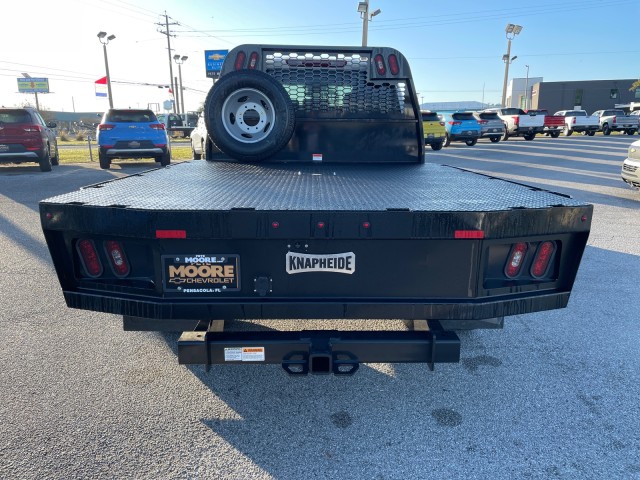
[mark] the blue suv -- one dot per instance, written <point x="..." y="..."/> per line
<point x="461" y="127"/>
<point x="132" y="134"/>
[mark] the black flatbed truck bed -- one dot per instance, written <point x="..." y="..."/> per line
<point x="427" y="243"/>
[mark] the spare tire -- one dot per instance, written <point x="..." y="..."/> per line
<point x="249" y="115"/>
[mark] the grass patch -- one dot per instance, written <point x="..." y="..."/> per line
<point x="81" y="155"/>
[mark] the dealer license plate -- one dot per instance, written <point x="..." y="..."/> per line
<point x="200" y="274"/>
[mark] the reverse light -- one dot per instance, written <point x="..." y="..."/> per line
<point x="393" y="64"/>
<point x="89" y="257"/>
<point x="106" y="126"/>
<point x="117" y="258"/>
<point x="240" y="58"/>
<point x="253" y="60"/>
<point x="516" y="259"/>
<point x="380" y="66"/>
<point x="542" y="259"/>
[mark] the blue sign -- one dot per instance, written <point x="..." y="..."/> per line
<point x="213" y="60"/>
<point x="33" y="85"/>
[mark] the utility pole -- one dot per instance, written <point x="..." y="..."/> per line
<point x="167" y="32"/>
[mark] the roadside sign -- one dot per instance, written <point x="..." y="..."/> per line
<point x="33" y="85"/>
<point x="213" y="62"/>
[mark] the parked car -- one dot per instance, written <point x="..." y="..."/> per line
<point x="461" y="127"/>
<point x="631" y="165"/>
<point x="189" y="119"/>
<point x="553" y="124"/>
<point x="615" y="120"/>
<point x="491" y="125"/>
<point x="132" y="134"/>
<point x="26" y="137"/>
<point x="578" y="121"/>
<point x="434" y="131"/>
<point x="518" y="123"/>
<point x="170" y="120"/>
<point x="199" y="138"/>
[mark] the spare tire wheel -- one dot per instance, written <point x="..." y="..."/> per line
<point x="249" y="115"/>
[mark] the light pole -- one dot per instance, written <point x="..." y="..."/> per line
<point x="104" y="40"/>
<point x="511" y="31"/>
<point x="526" y="90"/>
<point x="180" y="60"/>
<point x="363" y="9"/>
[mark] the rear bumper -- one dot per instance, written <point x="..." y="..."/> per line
<point x="18" y="156"/>
<point x="133" y="152"/>
<point x="585" y="128"/>
<point x="527" y="130"/>
<point x="464" y="135"/>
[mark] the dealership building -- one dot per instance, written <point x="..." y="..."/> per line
<point x="589" y="95"/>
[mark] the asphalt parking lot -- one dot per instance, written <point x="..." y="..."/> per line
<point x="552" y="395"/>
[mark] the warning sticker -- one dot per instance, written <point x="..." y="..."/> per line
<point x="244" y="354"/>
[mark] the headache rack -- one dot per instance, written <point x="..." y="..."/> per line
<point x="333" y="91"/>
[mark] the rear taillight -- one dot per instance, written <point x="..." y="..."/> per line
<point x="117" y="258"/>
<point x="574" y="120"/>
<point x="614" y="120"/>
<point x="89" y="257"/>
<point x="240" y="58"/>
<point x="157" y="126"/>
<point x="516" y="121"/>
<point x="542" y="259"/>
<point x="451" y="122"/>
<point x="442" y="124"/>
<point x="380" y="66"/>
<point x="253" y="60"/>
<point x="483" y="122"/>
<point x="106" y="126"/>
<point x="393" y="64"/>
<point x="33" y="128"/>
<point x="516" y="260"/>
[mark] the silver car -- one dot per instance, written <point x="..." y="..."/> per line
<point x="199" y="138"/>
<point x="631" y="165"/>
<point x="491" y="125"/>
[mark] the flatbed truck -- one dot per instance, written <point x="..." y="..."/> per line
<point x="314" y="202"/>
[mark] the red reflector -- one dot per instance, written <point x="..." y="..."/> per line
<point x="160" y="145"/>
<point x="157" y="126"/>
<point x="253" y="60"/>
<point x="468" y="234"/>
<point x="542" y="259"/>
<point x="89" y="257"/>
<point x="366" y="225"/>
<point x="171" y="234"/>
<point x="106" y="126"/>
<point x="320" y="224"/>
<point x="380" y="67"/>
<point x="393" y="64"/>
<point x="275" y="224"/>
<point x="240" y="58"/>
<point x="118" y="260"/>
<point x="515" y="260"/>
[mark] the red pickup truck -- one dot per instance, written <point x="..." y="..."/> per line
<point x="553" y="124"/>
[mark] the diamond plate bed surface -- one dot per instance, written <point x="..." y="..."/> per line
<point x="201" y="185"/>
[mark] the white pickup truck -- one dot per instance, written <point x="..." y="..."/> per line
<point x="615" y="120"/>
<point x="579" y="121"/>
<point x="519" y="123"/>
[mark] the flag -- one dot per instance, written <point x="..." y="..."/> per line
<point x="101" y="87"/>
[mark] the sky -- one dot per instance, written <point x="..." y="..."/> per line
<point x="454" y="49"/>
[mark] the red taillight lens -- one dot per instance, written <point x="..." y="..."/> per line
<point x="542" y="260"/>
<point x="455" y="123"/>
<point x="106" y="126"/>
<point x="240" y="58"/>
<point x="483" y="122"/>
<point x="117" y="258"/>
<point x="380" y="66"/>
<point x="442" y="124"/>
<point x="253" y="60"/>
<point x="574" y="120"/>
<point x="157" y="126"/>
<point x="33" y="128"/>
<point x="89" y="257"/>
<point x="393" y="64"/>
<point x="516" y="260"/>
<point x="516" y="120"/>
<point x="614" y="120"/>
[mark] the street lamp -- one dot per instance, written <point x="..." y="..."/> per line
<point x="511" y="31"/>
<point x="104" y="40"/>
<point x="363" y="10"/>
<point x="526" y="90"/>
<point x="180" y="60"/>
